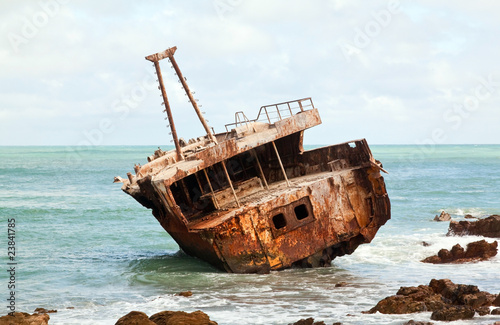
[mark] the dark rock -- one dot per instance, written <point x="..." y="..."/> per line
<point x="445" y="255"/>
<point x="433" y="260"/>
<point x="495" y="311"/>
<point x="481" y="249"/>
<point x="45" y="311"/>
<point x="185" y="294"/>
<point x="24" y="319"/>
<point x="474" y="300"/>
<point x="443" y="217"/>
<point x="308" y="321"/>
<point x="409" y="300"/>
<point x="496" y="302"/>
<point x="447" y="299"/>
<point x="453" y="313"/>
<point x="457" y="252"/>
<point x="341" y="284"/>
<point x="476" y="251"/>
<point x="412" y="322"/>
<point x="482" y="311"/>
<point x="179" y="317"/>
<point x="487" y="227"/>
<point x="135" y="318"/>
<point x="470" y="216"/>
<point x="425" y="244"/>
<point x="453" y="293"/>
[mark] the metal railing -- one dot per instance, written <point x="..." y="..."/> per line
<point x="274" y="112"/>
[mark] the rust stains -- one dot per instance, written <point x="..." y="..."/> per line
<point x="252" y="200"/>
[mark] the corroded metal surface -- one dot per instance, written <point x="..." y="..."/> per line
<point x="255" y="201"/>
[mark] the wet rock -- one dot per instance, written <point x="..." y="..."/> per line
<point x="481" y="249"/>
<point x="447" y="300"/>
<point x="409" y="300"/>
<point x="425" y="244"/>
<point x="470" y="216"/>
<point x="496" y="302"/>
<point x="135" y="318"/>
<point x="453" y="313"/>
<point x="495" y="311"/>
<point x="457" y="252"/>
<point x="443" y="217"/>
<point x="482" y="311"/>
<point x="179" y="317"/>
<point x="24" y="319"/>
<point x="476" y="251"/>
<point x="45" y="311"/>
<point x="487" y="227"/>
<point x="445" y="255"/>
<point x="412" y="322"/>
<point x="341" y="284"/>
<point x="185" y="294"/>
<point x="308" y="321"/>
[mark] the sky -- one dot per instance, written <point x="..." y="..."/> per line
<point x="74" y="73"/>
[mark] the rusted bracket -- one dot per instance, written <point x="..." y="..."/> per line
<point x="162" y="55"/>
<point x="374" y="164"/>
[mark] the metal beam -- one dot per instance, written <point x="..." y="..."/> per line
<point x="230" y="183"/>
<point x="169" y="112"/>
<point x="281" y="164"/>
<point x="211" y="189"/>
<point x="260" y="168"/>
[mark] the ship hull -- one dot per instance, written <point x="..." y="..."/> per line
<point x="335" y="201"/>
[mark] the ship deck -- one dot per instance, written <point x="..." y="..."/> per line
<point x="275" y="190"/>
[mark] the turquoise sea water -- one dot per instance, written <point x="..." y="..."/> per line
<point x="83" y="243"/>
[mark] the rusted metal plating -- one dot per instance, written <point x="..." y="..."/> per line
<point x="255" y="201"/>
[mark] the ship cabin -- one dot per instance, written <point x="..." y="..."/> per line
<point x="253" y="161"/>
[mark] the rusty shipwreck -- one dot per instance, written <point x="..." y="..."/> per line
<point x="251" y="199"/>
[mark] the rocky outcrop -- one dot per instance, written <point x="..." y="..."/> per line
<point x="135" y="318"/>
<point x="307" y="321"/>
<point x="453" y="313"/>
<point x="487" y="227"/>
<point x="476" y="251"/>
<point x="496" y="302"/>
<point x="443" y="217"/>
<point x="166" y="318"/>
<point x="24" y="319"/>
<point x="447" y="300"/>
<point x="180" y="317"/>
<point x="45" y="311"/>
<point x="412" y="322"/>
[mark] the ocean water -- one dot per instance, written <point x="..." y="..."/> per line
<point x="90" y="251"/>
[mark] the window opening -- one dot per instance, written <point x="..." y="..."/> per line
<point x="301" y="212"/>
<point x="279" y="221"/>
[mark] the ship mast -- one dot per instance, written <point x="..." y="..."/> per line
<point x="169" y="53"/>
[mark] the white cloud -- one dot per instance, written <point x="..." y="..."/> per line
<point x="404" y="73"/>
